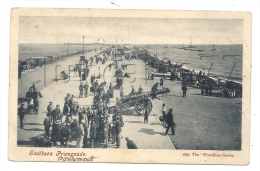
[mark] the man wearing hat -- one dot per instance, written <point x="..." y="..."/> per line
<point x="21" y="113"/>
<point x="47" y="124"/>
<point x="81" y="88"/>
<point x="49" y="108"/>
<point x="170" y="122"/>
<point x="56" y="113"/>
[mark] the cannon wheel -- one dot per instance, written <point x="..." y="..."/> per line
<point x="139" y="105"/>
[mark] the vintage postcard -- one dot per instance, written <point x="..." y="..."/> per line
<point x="130" y="86"/>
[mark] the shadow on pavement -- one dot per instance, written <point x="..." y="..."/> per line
<point x="150" y="131"/>
<point x="134" y="121"/>
<point x="155" y="123"/>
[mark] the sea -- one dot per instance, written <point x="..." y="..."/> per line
<point x="220" y="61"/>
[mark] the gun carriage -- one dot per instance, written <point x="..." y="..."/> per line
<point x="140" y="102"/>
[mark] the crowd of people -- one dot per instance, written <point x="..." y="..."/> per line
<point x="88" y="126"/>
<point x="92" y="126"/>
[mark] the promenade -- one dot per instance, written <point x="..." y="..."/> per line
<point x="145" y="136"/>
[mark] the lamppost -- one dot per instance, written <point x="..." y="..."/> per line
<point x="128" y="34"/>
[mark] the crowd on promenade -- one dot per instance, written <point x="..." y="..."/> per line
<point x="92" y="126"/>
<point x="88" y="126"/>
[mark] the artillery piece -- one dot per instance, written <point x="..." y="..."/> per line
<point x="138" y="101"/>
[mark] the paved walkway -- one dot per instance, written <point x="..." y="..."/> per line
<point x="145" y="136"/>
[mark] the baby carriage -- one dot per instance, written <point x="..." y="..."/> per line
<point x="64" y="75"/>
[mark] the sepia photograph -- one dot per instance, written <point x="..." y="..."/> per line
<point x="88" y="82"/>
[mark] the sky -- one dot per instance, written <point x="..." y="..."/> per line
<point x="140" y="30"/>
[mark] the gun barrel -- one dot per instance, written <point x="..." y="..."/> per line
<point x="149" y="93"/>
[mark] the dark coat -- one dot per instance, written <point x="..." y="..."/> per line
<point x="184" y="88"/>
<point x="170" y="119"/>
<point x="93" y="130"/>
<point x="56" y="114"/>
<point x="21" y="112"/>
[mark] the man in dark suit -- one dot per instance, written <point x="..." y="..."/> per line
<point x="21" y="113"/>
<point x="130" y="144"/>
<point x="170" y="122"/>
<point x="184" y="89"/>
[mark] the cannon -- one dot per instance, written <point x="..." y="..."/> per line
<point x="164" y="75"/>
<point x="138" y="101"/>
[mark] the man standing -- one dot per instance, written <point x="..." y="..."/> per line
<point x="184" y="89"/>
<point x="49" y="109"/>
<point x="86" y="86"/>
<point x="161" y="81"/>
<point x="170" y="122"/>
<point x="81" y="88"/>
<point x="21" y="113"/>
<point x="56" y="113"/>
<point x="47" y="124"/>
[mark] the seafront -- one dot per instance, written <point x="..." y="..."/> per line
<point x="203" y="122"/>
<point x="145" y="136"/>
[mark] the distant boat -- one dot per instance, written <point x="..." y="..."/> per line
<point x="190" y="46"/>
